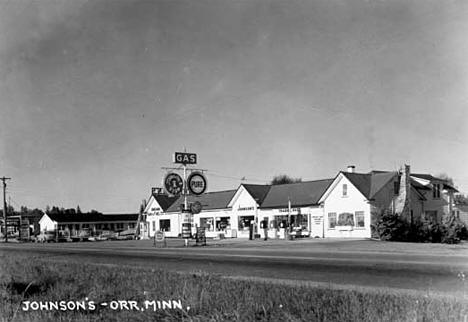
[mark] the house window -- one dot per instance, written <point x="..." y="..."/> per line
<point x="346" y="219"/>
<point x="345" y="190"/>
<point x="207" y="223"/>
<point x="154" y="225"/>
<point x="359" y="216"/>
<point x="244" y="222"/>
<point x="165" y="225"/>
<point x="331" y="220"/>
<point x="436" y="191"/>
<point x="430" y="216"/>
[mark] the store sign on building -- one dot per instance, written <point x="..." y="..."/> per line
<point x="173" y="184"/>
<point x="185" y="158"/>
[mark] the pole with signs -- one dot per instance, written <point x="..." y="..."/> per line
<point x="195" y="183"/>
<point x="185" y="158"/>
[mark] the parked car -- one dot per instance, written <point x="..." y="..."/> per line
<point x="126" y="234"/>
<point x="45" y="237"/>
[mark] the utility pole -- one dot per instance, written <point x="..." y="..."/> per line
<point x="4" y="179"/>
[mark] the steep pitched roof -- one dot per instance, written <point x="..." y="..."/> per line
<point x="92" y="217"/>
<point x="210" y="200"/>
<point x="370" y="183"/>
<point x="257" y="191"/>
<point x="164" y="201"/>
<point x="431" y="178"/>
<point x="300" y="194"/>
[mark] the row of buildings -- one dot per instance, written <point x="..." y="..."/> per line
<point x="344" y="206"/>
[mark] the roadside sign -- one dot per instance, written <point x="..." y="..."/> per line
<point x="185" y="158"/>
<point x="196" y="207"/>
<point x="196" y="183"/>
<point x="159" y="239"/>
<point x="159" y="236"/>
<point x="201" y="236"/>
<point x="173" y="184"/>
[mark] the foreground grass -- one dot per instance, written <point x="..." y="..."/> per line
<point x="204" y="297"/>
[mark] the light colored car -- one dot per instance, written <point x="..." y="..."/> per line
<point x="45" y="237"/>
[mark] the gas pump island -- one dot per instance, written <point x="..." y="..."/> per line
<point x="195" y="184"/>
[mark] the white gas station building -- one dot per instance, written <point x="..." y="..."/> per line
<point x="343" y="206"/>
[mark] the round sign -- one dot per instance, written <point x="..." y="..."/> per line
<point x="196" y="183"/>
<point x="159" y="236"/>
<point x="196" y="207"/>
<point x="173" y="184"/>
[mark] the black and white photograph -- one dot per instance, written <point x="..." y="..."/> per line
<point x="234" y="160"/>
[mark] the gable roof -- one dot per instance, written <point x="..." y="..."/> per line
<point x="257" y="191"/>
<point x="92" y="217"/>
<point x="210" y="200"/>
<point x="431" y="178"/>
<point x="299" y="193"/>
<point x="164" y="201"/>
<point x="370" y="183"/>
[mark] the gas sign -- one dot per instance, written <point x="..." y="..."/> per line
<point x="173" y="184"/>
<point x="196" y="183"/>
<point x="185" y="158"/>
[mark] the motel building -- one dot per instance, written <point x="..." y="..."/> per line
<point x="344" y="206"/>
<point x="93" y="223"/>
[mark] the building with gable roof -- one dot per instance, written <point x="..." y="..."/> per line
<point x="155" y="213"/>
<point x="355" y="201"/>
<point x="345" y="206"/>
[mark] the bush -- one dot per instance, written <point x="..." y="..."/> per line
<point x="393" y="228"/>
<point x="455" y="231"/>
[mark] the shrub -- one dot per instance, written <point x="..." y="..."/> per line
<point x="393" y="228"/>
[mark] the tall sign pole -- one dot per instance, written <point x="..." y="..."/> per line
<point x="4" y="179"/>
<point x="195" y="184"/>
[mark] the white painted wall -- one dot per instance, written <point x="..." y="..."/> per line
<point x="175" y="220"/>
<point x="244" y="205"/>
<point x="354" y="201"/>
<point x="47" y="224"/>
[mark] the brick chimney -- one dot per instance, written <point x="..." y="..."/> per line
<point x="402" y="202"/>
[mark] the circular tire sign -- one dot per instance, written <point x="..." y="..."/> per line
<point x="196" y="183"/>
<point x="173" y="184"/>
<point x="196" y="207"/>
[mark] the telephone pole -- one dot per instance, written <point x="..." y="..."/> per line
<point x="4" y="179"/>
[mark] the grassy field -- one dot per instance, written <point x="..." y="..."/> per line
<point x="195" y="297"/>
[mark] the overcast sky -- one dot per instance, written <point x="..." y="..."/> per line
<point x="95" y="96"/>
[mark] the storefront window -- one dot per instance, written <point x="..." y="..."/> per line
<point x="207" y="223"/>
<point x="165" y="225"/>
<point x="244" y="222"/>
<point x="346" y="219"/>
<point x="223" y="223"/>
<point x="299" y="221"/>
<point x="282" y="221"/>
